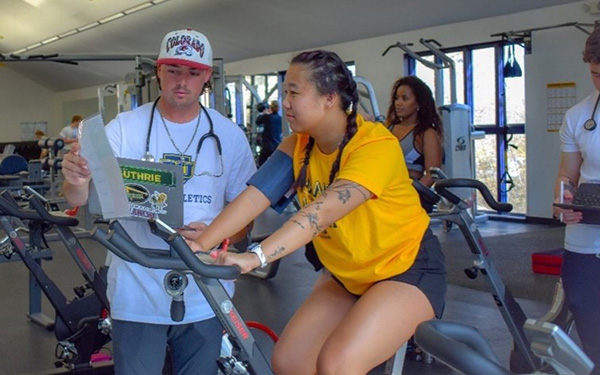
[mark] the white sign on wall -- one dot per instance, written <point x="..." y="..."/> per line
<point x="28" y="129"/>
<point x="560" y="97"/>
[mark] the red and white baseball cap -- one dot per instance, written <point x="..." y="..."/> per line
<point x="186" y="47"/>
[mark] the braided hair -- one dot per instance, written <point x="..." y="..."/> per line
<point x="330" y="75"/>
<point x="427" y="116"/>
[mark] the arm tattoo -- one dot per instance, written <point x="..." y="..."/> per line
<point x="313" y="221"/>
<point x="344" y="191"/>
<point x="297" y="223"/>
<point x="278" y="250"/>
<point x="344" y="195"/>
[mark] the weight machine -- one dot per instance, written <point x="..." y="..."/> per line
<point x="459" y="134"/>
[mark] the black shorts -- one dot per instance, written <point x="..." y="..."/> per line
<point x="428" y="272"/>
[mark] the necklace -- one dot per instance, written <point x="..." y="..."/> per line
<point x="171" y="138"/>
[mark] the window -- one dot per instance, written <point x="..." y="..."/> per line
<point x="497" y="104"/>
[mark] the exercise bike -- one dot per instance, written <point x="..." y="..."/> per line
<point x="464" y="349"/>
<point x="454" y="210"/>
<point x="241" y="355"/>
<point x="81" y="325"/>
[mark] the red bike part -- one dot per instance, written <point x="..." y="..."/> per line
<point x="72" y="211"/>
<point x="264" y="328"/>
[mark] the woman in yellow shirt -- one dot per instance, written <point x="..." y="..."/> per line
<point x="386" y="269"/>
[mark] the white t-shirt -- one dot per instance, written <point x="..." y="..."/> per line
<point x="136" y="293"/>
<point x="583" y="238"/>
<point x="68" y="132"/>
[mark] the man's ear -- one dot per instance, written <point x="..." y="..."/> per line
<point x="157" y="76"/>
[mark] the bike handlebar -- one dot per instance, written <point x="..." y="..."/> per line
<point x="39" y="206"/>
<point x="8" y="206"/>
<point x="442" y="186"/>
<point x="425" y="192"/>
<point x="119" y="242"/>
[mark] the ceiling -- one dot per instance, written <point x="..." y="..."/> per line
<point x="237" y="29"/>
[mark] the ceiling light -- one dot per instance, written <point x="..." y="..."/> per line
<point x="50" y="40"/>
<point x="68" y="33"/>
<point x="112" y="18"/>
<point x="35" y="3"/>
<point x="87" y="27"/>
<point x="138" y="8"/>
<point x="36" y="45"/>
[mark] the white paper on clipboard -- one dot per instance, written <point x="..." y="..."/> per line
<point x="106" y="174"/>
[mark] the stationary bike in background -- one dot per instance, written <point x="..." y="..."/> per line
<point x="525" y="356"/>
<point x="82" y="326"/>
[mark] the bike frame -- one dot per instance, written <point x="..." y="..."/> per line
<point x="511" y="311"/>
<point x="181" y="258"/>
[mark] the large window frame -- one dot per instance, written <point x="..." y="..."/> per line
<point x="501" y="130"/>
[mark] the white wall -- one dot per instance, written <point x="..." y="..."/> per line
<point x="556" y="57"/>
<point x="22" y="100"/>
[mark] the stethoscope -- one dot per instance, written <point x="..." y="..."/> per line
<point x="210" y="134"/>
<point x="591" y="123"/>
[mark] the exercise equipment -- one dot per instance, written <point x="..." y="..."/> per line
<point x="246" y="357"/>
<point x="81" y="325"/>
<point x="52" y="163"/>
<point x="455" y="210"/>
<point x="369" y="96"/>
<point x="459" y="134"/>
<point x="464" y="349"/>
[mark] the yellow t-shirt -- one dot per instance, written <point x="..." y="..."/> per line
<point x="380" y="238"/>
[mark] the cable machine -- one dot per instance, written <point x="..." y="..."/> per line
<point x="458" y="130"/>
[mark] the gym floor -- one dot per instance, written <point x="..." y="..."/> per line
<point x="27" y="348"/>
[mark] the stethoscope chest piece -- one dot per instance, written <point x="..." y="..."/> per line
<point x="589" y="124"/>
<point x="148" y="157"/>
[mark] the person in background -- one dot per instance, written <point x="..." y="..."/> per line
<point x="142" y="324"/>
<point x="263" y="112"/>
<point x="579" y="163"/>
<point x="39" y="135"/>
<point x="70" y="132"/>
<point x="414" y="119"/>
<point x="386" y="270"/>
<point x="272" y="133"/>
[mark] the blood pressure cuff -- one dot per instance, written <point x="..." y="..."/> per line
<point x="275" y="179"/>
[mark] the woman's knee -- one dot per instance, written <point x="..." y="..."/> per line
<point x="335" y="360"/>
<point x="285" y="361"/>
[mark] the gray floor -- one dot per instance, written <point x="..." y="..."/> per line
<point x="27" y="348"/>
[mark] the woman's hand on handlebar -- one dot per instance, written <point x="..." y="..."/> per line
<point x="192" y="231"/>
<point x="246" y="261"/>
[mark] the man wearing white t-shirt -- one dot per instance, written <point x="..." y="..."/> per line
<point x="169" y="131"/>
<point x="580" y="163"/>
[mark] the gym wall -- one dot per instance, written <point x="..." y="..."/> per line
<point x="556" y="57"/>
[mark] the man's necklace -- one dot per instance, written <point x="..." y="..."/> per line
<point x="171" y="138"/>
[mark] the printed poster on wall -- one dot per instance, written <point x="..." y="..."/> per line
<point x="28" y="129"/>
<point x="560" y="97"/>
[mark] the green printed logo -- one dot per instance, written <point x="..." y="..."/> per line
<point x="147" y="176"/>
